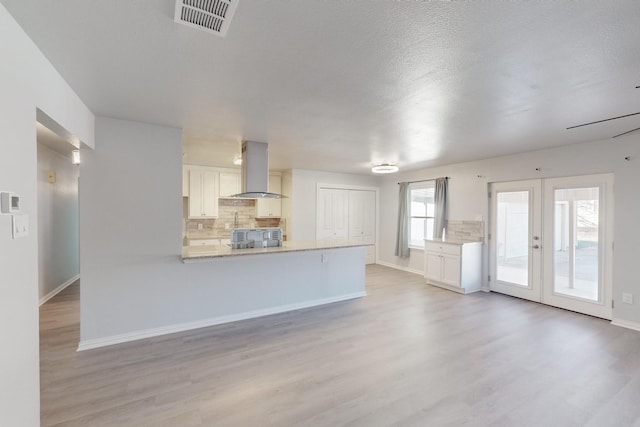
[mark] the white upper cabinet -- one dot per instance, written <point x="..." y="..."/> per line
<point x="229" y="184"/>
<point x="203" y="193"/>
<point x="271" y="208"/>
<point x="185" y="182"/>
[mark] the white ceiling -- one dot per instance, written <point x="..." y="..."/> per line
<point x="339" y="85"/>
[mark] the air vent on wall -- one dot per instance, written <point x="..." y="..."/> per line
<point x="212" y="16"/>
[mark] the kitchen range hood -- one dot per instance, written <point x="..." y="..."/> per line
<point x="255" y="171"/>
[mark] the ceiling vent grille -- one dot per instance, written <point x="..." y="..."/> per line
<point x="212" y="16"/>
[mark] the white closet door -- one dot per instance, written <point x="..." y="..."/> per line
<point x="332" y="219"/>
<point x="356" y="215"/>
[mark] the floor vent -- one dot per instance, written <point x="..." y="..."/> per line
<point x="213" y="16"/>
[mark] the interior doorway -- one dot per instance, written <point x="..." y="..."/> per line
<point x="551" y="242"/>
<point x="58" y="216"/>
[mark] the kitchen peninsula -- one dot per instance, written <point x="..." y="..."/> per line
<point x="237" y="284"/>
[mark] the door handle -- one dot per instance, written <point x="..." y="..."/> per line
<point x="536" y="246"/>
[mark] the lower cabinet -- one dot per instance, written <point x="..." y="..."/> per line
<point x="457" y="267"/>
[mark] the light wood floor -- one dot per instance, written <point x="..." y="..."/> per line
<point x="408" y="355"/>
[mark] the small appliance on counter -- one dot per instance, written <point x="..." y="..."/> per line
<point x="243" y="238"/>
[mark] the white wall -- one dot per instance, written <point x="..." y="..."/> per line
<point x="58" y="245"/>
<point x="468" y="198"/>
<point x="130" y="226"/>
<point x="303" y="200"/>
<point x="27" y="82"/>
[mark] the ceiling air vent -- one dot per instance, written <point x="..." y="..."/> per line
<point x="212" y="16"/>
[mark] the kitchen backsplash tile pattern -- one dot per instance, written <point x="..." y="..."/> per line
<point x="466" y="231"/>
<point x="268" y="222"/>
<point x="227" y="209"/>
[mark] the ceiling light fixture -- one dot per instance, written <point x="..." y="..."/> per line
<point x="384" y="168"/>
<point x="75" y="157"/>
<point x="237" y="160"/>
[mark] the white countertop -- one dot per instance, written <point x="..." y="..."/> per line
<point x="195" y="253"/>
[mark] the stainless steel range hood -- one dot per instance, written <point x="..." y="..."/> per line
<point x="255" y="171"/>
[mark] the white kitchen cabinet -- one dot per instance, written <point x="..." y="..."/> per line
<point x="203" y="193"/>
<point x="229" y="184"/>
<point x="185" y="181"/>
<point x="454" y="266"/>
<point x="271" y="208"/>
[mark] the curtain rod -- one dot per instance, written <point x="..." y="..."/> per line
<point x="424" y="180"/>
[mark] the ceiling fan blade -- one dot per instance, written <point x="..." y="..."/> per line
<point x="632" y="130"/>
<point x="605" y="120"/>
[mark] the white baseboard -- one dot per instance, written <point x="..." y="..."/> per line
<point x="59" y="289"/>
<point x="398" y="267"/>
<point x="626" y="324"/>
<point x="180" y="327"/>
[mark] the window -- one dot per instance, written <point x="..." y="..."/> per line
<point x="421" y="212"/>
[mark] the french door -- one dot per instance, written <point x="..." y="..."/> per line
<point x="551" y="242"/>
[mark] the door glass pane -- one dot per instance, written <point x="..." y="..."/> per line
<point x="512" y="237"/>
<point x="575" y="243"/>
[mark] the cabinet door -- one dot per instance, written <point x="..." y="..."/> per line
<point x="210" y="194"/>
<point x="185" y="182"/>
<point x="432" y="266"/>
<point x="229" y="184"/>
<point x="203" y="194"/>
<point x="451" y="270"/>
<point x="196" y="209"/>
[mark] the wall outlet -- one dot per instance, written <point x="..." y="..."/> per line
<point x="20" y="225"/>
<point x="200" y="226"/>
<point x="627" y="298"/>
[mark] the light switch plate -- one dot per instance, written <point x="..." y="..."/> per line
<point x="627" y="298"/>
<point x="20" y="225"/>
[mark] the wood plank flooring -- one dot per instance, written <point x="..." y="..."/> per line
<point x="408" y="355"/>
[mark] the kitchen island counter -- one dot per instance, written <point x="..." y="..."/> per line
<point x="204" y="253"/>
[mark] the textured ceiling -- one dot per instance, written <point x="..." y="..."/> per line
<point x="339" y="85"/>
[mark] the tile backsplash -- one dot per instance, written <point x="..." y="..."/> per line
<point x="466" y="231"/>
<point x="227" y="208"/>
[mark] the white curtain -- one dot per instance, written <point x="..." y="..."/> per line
<point x="402" y="239"/>
<point x="440" y="198"/>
